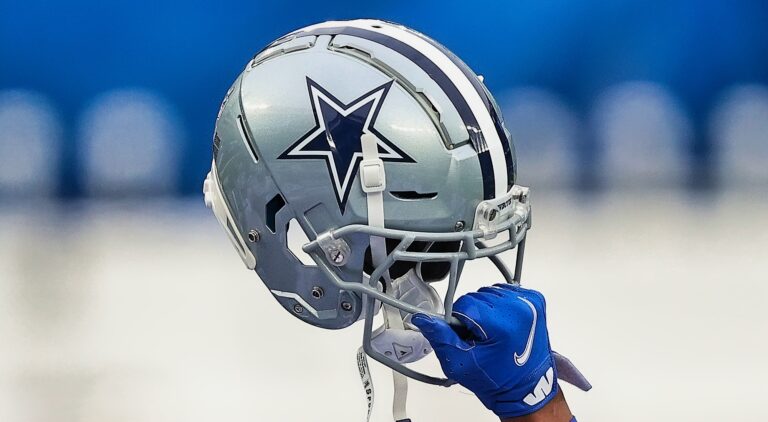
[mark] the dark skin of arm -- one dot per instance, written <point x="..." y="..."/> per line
<point x="555" y="411"/>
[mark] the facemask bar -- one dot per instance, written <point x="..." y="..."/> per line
<point x="472" y="247"/>
<point x="511" y="213"/>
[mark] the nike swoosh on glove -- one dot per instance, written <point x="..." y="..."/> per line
<point x="506" y="359"/>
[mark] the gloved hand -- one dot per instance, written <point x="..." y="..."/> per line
<point x="506" y="360"/>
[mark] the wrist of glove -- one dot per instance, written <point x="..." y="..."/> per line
<point x="506" y="358"/>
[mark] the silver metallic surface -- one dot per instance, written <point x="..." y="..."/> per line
<point x="269" y="108"/>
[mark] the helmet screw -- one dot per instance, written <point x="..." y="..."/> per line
<point x="298" y="308"/>
<point x="336" y="251"/>
<point x="254" y="236"/>
<point x="459" y="226"/>
<point x="317" y="292"/>
<point x="346" y="306"/>
<point x="337" y="256"/>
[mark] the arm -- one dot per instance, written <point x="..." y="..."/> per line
<point x="555" y="411"/>
<point x="505" y="356"/>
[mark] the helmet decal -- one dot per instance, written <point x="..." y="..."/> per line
<point x="336" y="135"/>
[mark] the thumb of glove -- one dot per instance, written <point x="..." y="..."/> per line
<point x="436" y="331"/>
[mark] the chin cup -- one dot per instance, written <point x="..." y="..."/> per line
<point x="407" y="345"/>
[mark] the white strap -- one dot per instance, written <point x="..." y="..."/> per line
<point x="393" y="320"/>
<point x="374" y="182"/>
<point x="365" y="377"/>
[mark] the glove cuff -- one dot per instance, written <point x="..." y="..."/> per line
<point x="531" y="397"/>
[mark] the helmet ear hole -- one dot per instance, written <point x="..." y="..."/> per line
<point x="295" y="238"/>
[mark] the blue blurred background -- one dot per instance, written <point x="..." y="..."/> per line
<point x="641" y="127"/>
<point x="119" y="98"/>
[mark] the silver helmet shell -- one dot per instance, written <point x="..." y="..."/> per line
<point x="287" y="146"/>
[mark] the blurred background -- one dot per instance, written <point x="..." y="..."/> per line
<point x="642" y="128"/>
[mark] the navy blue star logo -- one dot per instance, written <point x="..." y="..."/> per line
<point x="336" y="136"/>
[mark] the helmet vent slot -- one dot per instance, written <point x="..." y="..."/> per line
<point x="410" y="195"/>
<point x="296" y="238"/>
<point x="273" y="207"/>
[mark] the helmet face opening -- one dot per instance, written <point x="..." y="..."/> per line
<point x="407" y="250"/>
<point x="428" y="271"/>
<point x="513" y="218"/>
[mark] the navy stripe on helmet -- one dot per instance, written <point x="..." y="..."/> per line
<point x="443" y="81"/>
<point x="485" y="163"/>
<point x="483" y="93"/>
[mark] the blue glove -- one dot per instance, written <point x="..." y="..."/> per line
<point x="506" y="359"/>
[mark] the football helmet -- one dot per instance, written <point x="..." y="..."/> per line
<point x="391" y="156"/>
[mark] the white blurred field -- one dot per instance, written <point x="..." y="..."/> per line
<point x="129" y="312"/>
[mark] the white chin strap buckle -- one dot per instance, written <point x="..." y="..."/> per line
<point x="407" y="345"/>
<point x="372" y="176"/>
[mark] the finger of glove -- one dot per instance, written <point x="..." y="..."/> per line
<point x="533" y="295"/>
<point x="494" y="291"/>
<point x="490" y="299"/>
<point x="509" y="286"/>
<point x="472" y="309"/>
<point x="437" y="332"/>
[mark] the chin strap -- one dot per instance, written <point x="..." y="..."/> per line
<point x="374" y="182"/>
